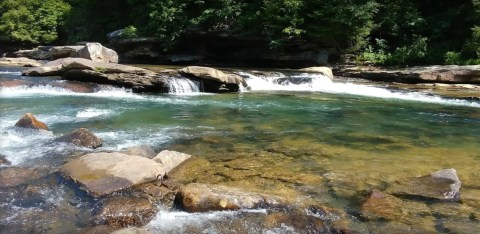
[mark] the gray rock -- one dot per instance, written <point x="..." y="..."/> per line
<point x="22" y="61"/>
<point x="4" y="160"/>
<point x="14" y="176"/>
<point x="97" y="53"/>
<point x="81" y="137"/>
<point x="197" y="197"/>
<point x="141" y="150"/>
<point x="49" y="52"/>
<point x="323" y="70"/>
<point x="214" y="80"/>
<point x="104" y="173"/>
<point x="441" y="185"/>
<point x="171" y="159"/>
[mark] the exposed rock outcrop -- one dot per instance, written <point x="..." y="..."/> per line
<point x="326" y="71"/>
<point x="197" y="197"/>
<point x="21" y="61"/>
<point x="141" y="150"/>
<point x="97" y="53"/>
<point x="171" y="159"/>
<point x="214" y="80"/>
<point x="28" y="120"/>
<point x="430" y="74"/>
<point x="49" y="52"/>
<point x="125" y="212"/>
<point x="441" y="185"/>
<point x="81" y="137"/>
<point x="104" y="173"/>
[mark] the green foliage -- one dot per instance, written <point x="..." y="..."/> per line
<point x="32" y="21"/>
<point x="453" y="58"/>
<point x="129" y="32"/>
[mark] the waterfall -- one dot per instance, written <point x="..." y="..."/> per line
<point x="183" y="86"/>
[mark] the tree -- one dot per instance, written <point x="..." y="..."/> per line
<point x="32" y="21"/>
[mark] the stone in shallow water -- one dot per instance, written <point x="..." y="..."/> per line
<point x="442" y="185"/>
<point x="28" y="120"/>
<point x="197" y="197"/>
<point x="126" y="211"/>
<point x="171" y="159"/>
<point x="141" y="150"/>
<point x="382" y="206"/>
<point x="14" y="176"/>
<point x="104" y="173"/>
<point x="81" y="137"/>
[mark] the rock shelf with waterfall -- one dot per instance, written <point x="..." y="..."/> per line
<point x="271" y="151"/>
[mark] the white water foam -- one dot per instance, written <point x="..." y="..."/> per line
<point x="183" y="86"/>
<point x="321" y="83"/>
<point x="92" y="112"/>
<point x="11" y="72"/>
<point x="48" y="90"/>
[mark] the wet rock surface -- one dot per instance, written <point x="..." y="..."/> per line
<point x="382" y="206"/>
<point x="197" y="197"/>
<point x="28" y="120"/>
<point x="14" y="176"/>
<point x="441" y="185"/>
<point x="125" y="212"/>
<point x="81" y="137"/>
<point x="157" y="193"/>
<point x="326" y="71"/>
<point x="141" y="150"/>
<point x="221" y="80"/>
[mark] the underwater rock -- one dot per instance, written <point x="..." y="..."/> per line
<point x="441" y="185"/>
<point x="326" y="71"/>
<point x="81" y="137"/>
<point x="4" y="160"/>
<point x="14" y="176"/>
<point x="126" y="211"/>
<point x="104" y="173"/>
<point x="171" y="159"/>
<point x="22" y="61"/>
<point x="156" y="192"/>
<point x="28" y="120"/>
<point x="198" y="197"/>
<point x="382" y="206"/>
<point x="141" y="150"/>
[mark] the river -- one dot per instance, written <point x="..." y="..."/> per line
<point x="319" y="140"/>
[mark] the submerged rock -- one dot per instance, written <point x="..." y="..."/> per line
<point x="197" y="197"/>
<point x="382" y="206"/>
<point x="141" y="150"/>
<point x="98" y="53"/>
<point x="171" y="159"/>
<point x="28" y="120"/>
<point x="156" y="192"/>
<point x="441" y="185"/>
<point x="81" y="137"/>
<point x="326" y="71"/>
<point x="126" y="211"/>
<point x="14" y="176"/>
<point x="214" y="80"/>
<point x="22" y="61"/>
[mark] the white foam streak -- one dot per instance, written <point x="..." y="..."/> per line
<point x="48" y="90"/>
<point x="10" y="72"/>
<point x="320" y="83"/>
<point x="91" y="113"/>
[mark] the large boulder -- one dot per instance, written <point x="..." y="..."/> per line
<point x="198" y="197"/>
<point x="60" y="66"/>
<point x="126" y="211"/>
<point x="326" y="71"/>
<point x="171" y="159"/>
<point x="104" y="173"/>
<point x="49" y="52"/>
<point x="81" y="137"/>
<point x="141" y="150"/>
<point x="441" y="185"/>
<point x="22" y="61"/>
<point x="28" y="120"/>
<point x="430" y="74"/>
<point x="213" y="79"/>
<point x="97" y="53"/>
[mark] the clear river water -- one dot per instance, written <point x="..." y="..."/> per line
<point x="321" y="141"/>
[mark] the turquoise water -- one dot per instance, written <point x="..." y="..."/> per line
<point x="325" y="144"/>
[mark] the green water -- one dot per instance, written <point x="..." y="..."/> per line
<point x="309" y="147"/>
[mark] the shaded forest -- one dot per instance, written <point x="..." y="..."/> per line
<point x="386" y="32"/>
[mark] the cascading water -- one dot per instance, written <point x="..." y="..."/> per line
<point x="183" y="86"/>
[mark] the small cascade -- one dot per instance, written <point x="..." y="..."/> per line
<point x="183" y="86"/>
<point x="279" y="81"/>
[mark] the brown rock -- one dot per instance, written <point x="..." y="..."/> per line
<point x="214" y="80"/>
<point x="156" y="192"/>
<point x="381" y="206"/>
<point x="101" y="229"/>
<point x="14" y="176"/>
<point x="197" y="197"/>
<point x="81" y="137"/>
<point x="29" y="121"/>
<point x="22" y="61"/>
<point x="126" y="211"/>
<point x="141" y="150"/>
<point x="323" y="70"/>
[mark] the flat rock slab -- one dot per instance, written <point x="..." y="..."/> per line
<point x="25" y="62"/>
<point x="171" y="159"/>
<point x="442" y="185"/>
<point x="104" y="173"/>
<point x="198" y="197"/>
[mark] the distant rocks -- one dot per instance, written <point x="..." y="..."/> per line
<point x="21" y="61"/>
<point x="197" y="197"/>
<point x="97" y="53"/>
<point x="214" y="80"/>
<point x="28" y="120"/>
<point x="441" y="185"/>
<point x="326" y="71"/>
<point x="81" y="137"/>
<point x="429" y="74"/>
